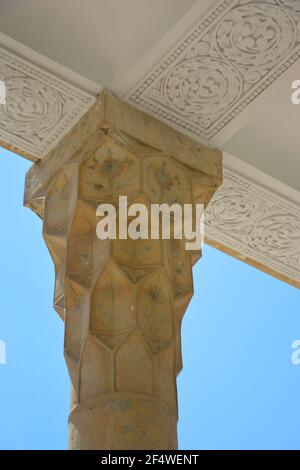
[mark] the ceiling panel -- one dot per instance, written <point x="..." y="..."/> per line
<point x="100" y="39"/>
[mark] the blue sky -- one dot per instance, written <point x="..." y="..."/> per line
<point x="238" y="388"/>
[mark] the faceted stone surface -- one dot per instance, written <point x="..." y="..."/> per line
<point x="122" y="301"/>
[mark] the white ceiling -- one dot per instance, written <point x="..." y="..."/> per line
<point x="100" y="39"/>
<point x="270" y="140"/>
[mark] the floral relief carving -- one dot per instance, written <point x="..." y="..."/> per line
<point x="257" y="224"/>
<point x="40" y="108"/>
<point x="226" y="61"/>
<point x="256" y="35"/>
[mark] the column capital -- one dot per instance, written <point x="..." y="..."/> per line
<point x="110" y="116"/>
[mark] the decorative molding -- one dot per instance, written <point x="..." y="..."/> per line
<point x="40" y="108"/>
<point x="252" y="215"/>
<point x="251" y="173"/>
<point x="228" y="59"/>
<point x="257" y="224"/>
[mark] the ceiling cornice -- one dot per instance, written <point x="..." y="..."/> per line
<point x="257" y="225"/>
<point x="237" y="50"/>
<point x="253" y="216"/>
<point x="41" y="107"/>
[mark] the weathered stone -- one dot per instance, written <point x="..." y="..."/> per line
<point x="122" y="300"/>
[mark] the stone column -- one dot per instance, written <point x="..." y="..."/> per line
<point x="122" y="300"/>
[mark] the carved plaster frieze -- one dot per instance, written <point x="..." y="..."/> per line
<point x="227" y="60"/>
<point x="257" y="224"/>
<point x="40" y="108"/>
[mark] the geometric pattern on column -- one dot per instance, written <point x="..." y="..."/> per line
<point x="122" y="300"/>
